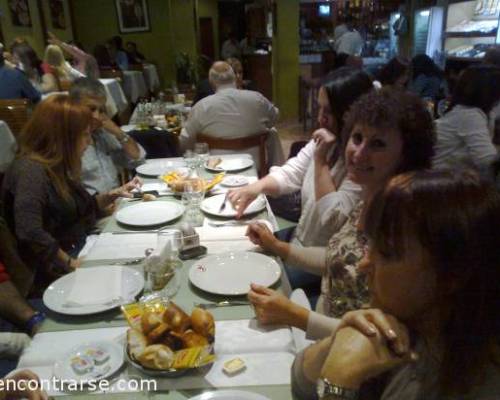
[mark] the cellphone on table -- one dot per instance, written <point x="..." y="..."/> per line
<point x="192" y="252"/>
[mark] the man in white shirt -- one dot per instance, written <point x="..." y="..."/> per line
<point x="232" y="113"/>
<point x="347" y="39"/>
<point x="111" y="148"/>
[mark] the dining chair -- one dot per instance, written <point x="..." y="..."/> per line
<point x="136" y="67"/>
<point x="15" y="113"/>
<point x="242" y="143"/>
<point x="112" y="73"/>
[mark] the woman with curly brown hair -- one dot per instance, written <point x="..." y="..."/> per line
<point x="388" y="132"/>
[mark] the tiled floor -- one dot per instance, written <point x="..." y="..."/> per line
<point x="291" y="131"/>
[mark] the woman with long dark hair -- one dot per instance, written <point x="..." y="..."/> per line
<point x="426" y="78"/>
<point x="433" y="269"/>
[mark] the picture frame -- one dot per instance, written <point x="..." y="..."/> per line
<point x="57" y="15"/>
<point x="20" y="13"/>
<point x="133" y="16"/>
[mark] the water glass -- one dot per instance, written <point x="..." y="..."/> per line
<point x="190" y="159"/>
<point x="163" y="267"/>
<point x="194" y="192"/>
<point x="202" y="153"/>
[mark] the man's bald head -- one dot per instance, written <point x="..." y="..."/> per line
<point x="221" y="73"/>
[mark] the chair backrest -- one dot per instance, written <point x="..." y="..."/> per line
<point x="111" y="73"/>
<point x="15" y="113"/>
<point x="136" y="67"/>
<point x="65" y="85"/>
<point x="240" y="144"/>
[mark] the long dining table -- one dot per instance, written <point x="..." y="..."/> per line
<point x="267" y="351"/>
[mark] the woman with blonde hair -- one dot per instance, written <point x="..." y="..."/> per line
<point x="43" y="201"/>
<point x="56" y="70"/>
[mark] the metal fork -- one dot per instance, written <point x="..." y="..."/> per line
<point x="224" y="303"/>
<point x="229" y="223"/>
<point x="223" y="205"/>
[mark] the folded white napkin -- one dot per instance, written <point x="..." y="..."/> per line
<point x="111" y="246"/>
<point x="95" y="285"/>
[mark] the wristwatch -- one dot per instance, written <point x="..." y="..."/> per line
<point x="124" y="138"/>
<point x="324" y="388"/>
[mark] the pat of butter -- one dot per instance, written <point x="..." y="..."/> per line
<point x="234" y="366"/>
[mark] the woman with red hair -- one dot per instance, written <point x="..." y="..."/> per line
<point x="43" y="201"/>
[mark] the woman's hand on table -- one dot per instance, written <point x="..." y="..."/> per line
<point x="241" y="198"/>
<point x="273" y="308"/>
<point x="261" y="235"/>
<point x="20" y="389"/>
<point x="368" y="355"/>
<point x="324" y="140"/>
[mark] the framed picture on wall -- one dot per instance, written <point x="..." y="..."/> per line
<point x="133" y="15"/>
<point x="20" y="13"/>
<point x="57" y="14"/>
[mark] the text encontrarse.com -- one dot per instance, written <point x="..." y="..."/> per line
<point x="69" y="385"/>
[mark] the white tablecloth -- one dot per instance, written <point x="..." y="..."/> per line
<point x="115" y="98"/>
<point x="268" y="353"/>
<point x="8" y="146"/>
<point x="134" y="85"/>
<point x="151" y="77"/>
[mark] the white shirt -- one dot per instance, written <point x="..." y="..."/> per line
<point x="318" y="219"/>
<point x="233" y="113"/>
<point x="463" y="136"/>
<point x="350" y="43"/>
<point x="102" y="160"/>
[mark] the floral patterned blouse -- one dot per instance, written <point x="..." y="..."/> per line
<point x="342" y="287"/>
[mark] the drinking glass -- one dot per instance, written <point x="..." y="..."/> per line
<point x="194" y="192"/>
<point x="163" y="266"/>
<point x="190" y="159"/>
<point x="202" y="153"/>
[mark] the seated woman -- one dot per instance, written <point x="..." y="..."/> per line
<point x="317" y="171"/>
<point x="395" y="73"/>
<point x="427" y="80"/>
<point x="43" y="201"/>
<point x="432" y="267"/>
<point x="463" y="134"/>
<point x="56" y="70"/>
<point x="388" y="131"/>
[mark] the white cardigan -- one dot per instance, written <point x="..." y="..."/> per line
<point x="319" y="219"/>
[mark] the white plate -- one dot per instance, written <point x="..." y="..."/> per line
<point x="64" y="371"/>
<point x="55" y="296"/>
<point x="148" y="214"/>
<point x="230" y="274"/>
<point x="229" y="395"/>
<point x="128" y="128"/>
<point x="158" y="167"/>
<point x="211" y="205"/>
<point x="232" y="164"/>
<point x="234" y="181"/>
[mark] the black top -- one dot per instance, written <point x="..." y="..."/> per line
<point x="41" y="219"/>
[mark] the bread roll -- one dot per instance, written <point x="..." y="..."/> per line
<point x="203" y="323"/>
<point x="176" y="319"/>
<point x="156" y="335"/>
<point x="137" y="343"/>
<point x="193" y="339"/>
<point x="150" y="320"/>
<point x="157" y="356"/>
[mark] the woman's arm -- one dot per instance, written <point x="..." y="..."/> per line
<point x="49" y="83"/>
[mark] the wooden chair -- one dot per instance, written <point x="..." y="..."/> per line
<point x="242" y="143"/>
<point x="15" y="113"/>
<point x="65" y="85"/>
<point x="111" y="73"/>
<point x="136" y="67"/>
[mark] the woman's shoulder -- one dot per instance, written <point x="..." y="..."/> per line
<point x="27" y="166"/>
